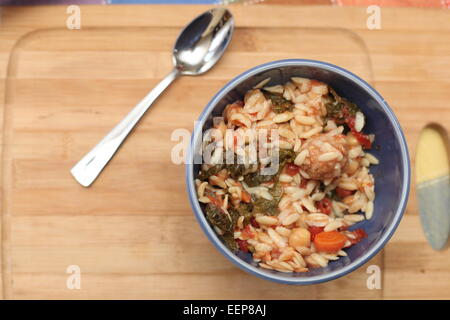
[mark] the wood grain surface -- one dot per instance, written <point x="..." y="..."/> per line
<point x="133" y="233"/>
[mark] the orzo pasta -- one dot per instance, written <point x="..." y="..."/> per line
<point x="298" y="215"/>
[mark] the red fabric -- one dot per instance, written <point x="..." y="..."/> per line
<point x="395" y="3"/>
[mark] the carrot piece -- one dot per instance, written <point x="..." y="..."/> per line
<point x="216" y="200"/>
<point x="329" y="242"/>
<point x="245" y="196"/>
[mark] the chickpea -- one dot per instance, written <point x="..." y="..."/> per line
<point x="300" y="237"/>
<point x="351" y="140"/>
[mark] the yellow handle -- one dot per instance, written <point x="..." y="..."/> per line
<point x="432" y="156"/>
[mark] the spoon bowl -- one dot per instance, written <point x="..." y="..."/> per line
<point x="203" y="41"/>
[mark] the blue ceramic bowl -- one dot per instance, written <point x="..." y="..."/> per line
<point x="392" y="175"/>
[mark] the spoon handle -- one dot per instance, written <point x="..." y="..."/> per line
<point x="90" y="166"/>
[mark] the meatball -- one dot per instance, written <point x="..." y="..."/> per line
<point x="323" y="156"/>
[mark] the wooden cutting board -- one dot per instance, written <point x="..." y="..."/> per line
<point x="133" y="234"/>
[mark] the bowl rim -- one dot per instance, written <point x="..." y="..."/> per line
<point x="210" y="233"/>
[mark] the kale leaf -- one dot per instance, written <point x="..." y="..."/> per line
<point x="218" y="218"/>
<point x="279" y="104"/>
<point x="338" y="108"/>
<point x="204" y="175"/>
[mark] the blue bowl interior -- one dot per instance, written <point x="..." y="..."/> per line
<point x="391" y="175"/>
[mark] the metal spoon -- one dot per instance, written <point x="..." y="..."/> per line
<point x="198" y="47"/>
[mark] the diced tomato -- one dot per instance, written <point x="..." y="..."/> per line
<point x="247" y="233"/>
<point x="350" y="121"/>
<point x="275" y="253"/>
<point x="254" y="223"/>
<point x="342" y="193"/>
<point x="361" y="137"/>
<point x="303" y="183"/>
<point x="359" y="234"/>
<point x="292" y="169"/>
<point x="314" y="231"/>
<point x="243" y="246"/>
<point x="324" y="205"/>
<point x="245" y="196"/>
<point x="344" y="117"/>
